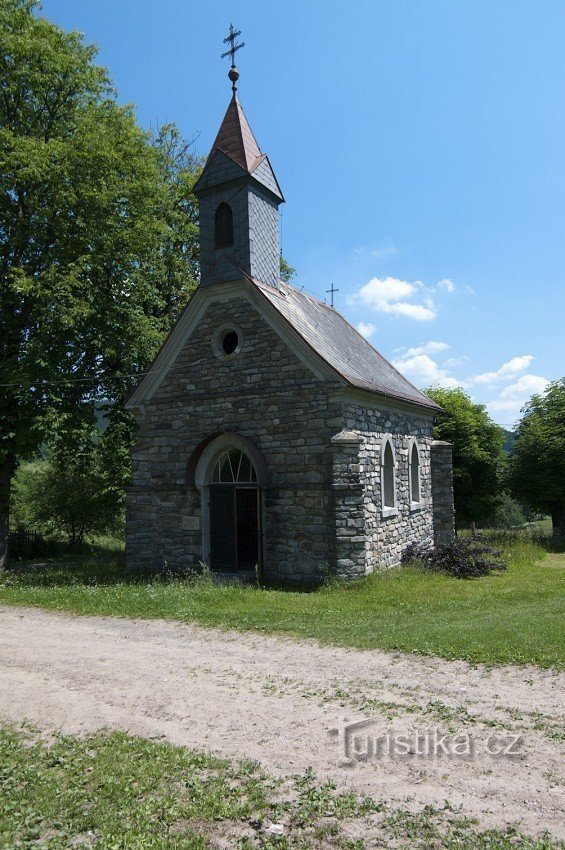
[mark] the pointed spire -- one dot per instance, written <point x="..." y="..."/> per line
<point x="235" y="137"/>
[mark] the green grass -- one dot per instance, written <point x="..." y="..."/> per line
<point x="115" y="792"/>
<point x="510" y="617"/>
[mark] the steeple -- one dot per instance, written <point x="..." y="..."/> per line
<point x="235" y="137"/>
<point x="239" y="199"/>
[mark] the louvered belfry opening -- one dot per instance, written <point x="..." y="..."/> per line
<point x="235" y="517"/>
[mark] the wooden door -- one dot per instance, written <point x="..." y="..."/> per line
<point x="247" y="533"/>
<point x="223" y="554"/>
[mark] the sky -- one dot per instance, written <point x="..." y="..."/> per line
<point x="420" y="148"/>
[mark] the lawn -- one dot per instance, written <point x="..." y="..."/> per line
<point x="510" y="617"/>
<point x="117" y="792"/>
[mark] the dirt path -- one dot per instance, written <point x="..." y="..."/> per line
<point x="274" y="700"/>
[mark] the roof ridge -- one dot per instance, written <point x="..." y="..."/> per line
<point x="371" y="385"/>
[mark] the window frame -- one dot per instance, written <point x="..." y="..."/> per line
<point x="388" y="510"/>
<point x="415" y="505"/>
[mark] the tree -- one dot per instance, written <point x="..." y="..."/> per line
<point x="287" y="271"/>
<point x="537" y="460"/>
<point x="98" y="239"/>
<point x="68" y="491"/>
<point x="478" y="454"/>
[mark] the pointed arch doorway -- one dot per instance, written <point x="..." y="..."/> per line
<point x="234" y="513"/>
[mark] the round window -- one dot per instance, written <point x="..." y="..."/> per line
<point x="227" y="341"/>
<point x="230" y="341"/>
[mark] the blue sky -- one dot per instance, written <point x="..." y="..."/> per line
<point x="421" y="150"/>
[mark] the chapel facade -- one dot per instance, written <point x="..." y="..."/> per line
<point x="272" y="436"/>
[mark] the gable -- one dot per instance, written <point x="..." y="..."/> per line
<point x="220" y="168"/>
<point x="264" y="174"/>
<point x="173" y="354"/>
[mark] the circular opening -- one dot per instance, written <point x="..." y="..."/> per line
<point x="230" y="342"/>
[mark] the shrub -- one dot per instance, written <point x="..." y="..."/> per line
<point x="462" y="558"/>
<point x="509" y="513"/>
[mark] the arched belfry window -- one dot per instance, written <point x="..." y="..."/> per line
<point x="414" y="474"/>
<point x="223" y="226"/>
<point x="388" y="476"/>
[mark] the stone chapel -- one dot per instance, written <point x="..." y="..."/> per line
<point x="272" y="436"/>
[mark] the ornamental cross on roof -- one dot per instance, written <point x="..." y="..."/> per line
<point x="233" y="73"/>
<point x="333" y="290"/>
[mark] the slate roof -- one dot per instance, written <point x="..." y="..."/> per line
<point x="235" y="138"/>
<point x="341" y="346"/>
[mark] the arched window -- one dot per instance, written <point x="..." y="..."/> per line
<point x="414" y="473"/>
<point x="234" y="467"/>
<point x="388" y="471"/>
<point x="223" y="226"/>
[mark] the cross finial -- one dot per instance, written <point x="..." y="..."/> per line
<point x="332" y="289"/>
<point x="233" y="73"/>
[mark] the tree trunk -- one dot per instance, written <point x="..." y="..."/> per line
<point x="7" y="467"/>
<point x="558" y="518"/>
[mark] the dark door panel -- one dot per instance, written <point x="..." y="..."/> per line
<point x="222" y="529"/>
<point x="247" y="513"/>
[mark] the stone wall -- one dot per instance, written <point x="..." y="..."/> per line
<point x="387" y="532"/>
<point x="265" y="393"/>
<point x="442" y="492"/>
<point x="349" y="506"/>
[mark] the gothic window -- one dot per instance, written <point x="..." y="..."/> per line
<point x="388" y="484"/>
<point x="223" y="226"/>
<point x="234" y="467"/>
<point x="414" y="473"/>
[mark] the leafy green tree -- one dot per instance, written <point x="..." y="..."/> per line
<point x="537" y="460"/>
<point x="509" y="513"/>
<point x="478" y="454"/>
<point x="98" y="239"/>
<point x="69" y="491"/>
<point x="287" y="271"/>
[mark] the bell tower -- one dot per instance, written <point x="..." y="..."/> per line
<point x="239" y="199"/>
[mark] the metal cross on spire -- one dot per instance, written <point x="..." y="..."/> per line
<point x="233" y="73"/>
<point x="332" y="289"/>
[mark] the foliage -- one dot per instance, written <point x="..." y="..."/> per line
<point x="98" y="240"/>
<point x="510" y="617"/>
<point x="462" y="558"/>
<point x="68" y="492"/>
<point x="478" y="454"/>
<point x="509" y="513"/>
<point x="537" y="460"/>
<point x="287" y="272"/>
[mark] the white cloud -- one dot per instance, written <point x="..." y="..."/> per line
<point x="457" y="361"/>
<point x="446" y="284"/>
<point x="395" y="297"/>
<point x="513" y="397"/>
<point x="526" y="385"/>
<point x="506" y="372"/>
<point x="366" y="329"/>
<point x="430" y="347"/>
<point x="386" y="250"/>
<point x="424" y="371"/>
